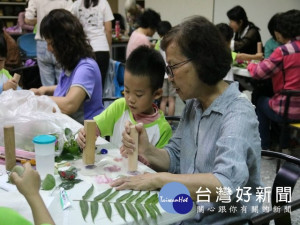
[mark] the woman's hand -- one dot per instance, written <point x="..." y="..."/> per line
<point x="38" y="91"/>
<point x="128" y="143"/>
<point x="143" y="182"/>
<point x="30" y="182"/>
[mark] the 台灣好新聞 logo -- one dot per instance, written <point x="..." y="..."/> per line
<point x="174" y="197"/>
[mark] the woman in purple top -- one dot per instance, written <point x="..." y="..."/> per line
<point x="79" y="90"/>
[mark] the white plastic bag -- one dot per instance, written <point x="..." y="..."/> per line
<point x="32" y="115"/>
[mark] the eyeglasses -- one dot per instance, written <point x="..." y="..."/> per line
<point x="169" y="69"/>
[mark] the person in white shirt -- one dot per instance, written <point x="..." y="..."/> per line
<point x="96" y="17"/>
<point x="37" y="9"/>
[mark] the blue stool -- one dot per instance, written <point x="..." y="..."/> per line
<point x="27" y="45"/>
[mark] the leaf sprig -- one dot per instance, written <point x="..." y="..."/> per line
<point x="133" y="203"/>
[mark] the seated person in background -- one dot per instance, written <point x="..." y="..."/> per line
<point x="216" y="143"/>
<point x="28" y="185"/>
<point x="147" y="25"/>
<point x="6" y="80"/>
<point x="283" y="66"/>
<point x="168" y="97"/>
<point x="79" y="90"/>
<point x="272" y="43"/>
<point x="227" y="33"/>
<point x="143" y="81"/>
<point x="13" y="59"/>
<point x="246" y="34"/>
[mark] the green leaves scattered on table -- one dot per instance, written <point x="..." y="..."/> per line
<point x="68" y="184"/>
<point x="48" y="183"/>
<point x="71" y="149"/>
<point x="133" y="203"/>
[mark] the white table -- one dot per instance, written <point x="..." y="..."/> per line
<point x="240" y="72"/>
<point x="72" y="215"/>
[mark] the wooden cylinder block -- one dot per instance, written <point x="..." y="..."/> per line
<point x="17" y="77"/>
<point x="88" y="155"/>
<point x="133" y="158"/>
<point x="259" y="47"/>
<point x="10" y="149"/>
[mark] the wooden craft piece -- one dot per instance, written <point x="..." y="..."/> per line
<point x="17" y="77"/>
<point x="10" y="149"/>
<point x="88" y="155"/>
<point x="133" y="158"/>
<point x="259" y="47"/>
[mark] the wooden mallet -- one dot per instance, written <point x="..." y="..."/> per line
<point x="259" y="47"/>
<point x="17" y="77"/>
<point x="88" y="155"/>
<point x="133" y="158"/>
<point x="10" y="149"/>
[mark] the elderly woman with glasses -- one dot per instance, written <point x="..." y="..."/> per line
<point x="216" y="147"/>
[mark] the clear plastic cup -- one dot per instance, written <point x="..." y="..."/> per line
<point x="44" y="146"/>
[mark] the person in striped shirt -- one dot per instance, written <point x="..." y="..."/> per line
<point x="283" y="67"/>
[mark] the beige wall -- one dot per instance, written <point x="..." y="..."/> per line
<point x="176" y="10"/>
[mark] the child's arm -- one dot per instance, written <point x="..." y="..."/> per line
<point x="248" y="57"/>
<point x="29" y="185"/>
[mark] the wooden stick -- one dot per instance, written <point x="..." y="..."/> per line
<point x="259" y="47"/>
<point x="133" y="158"/>
<point x="88" y="155"/>
<point x="10" y="150"/>
<point x="17" y="77"/>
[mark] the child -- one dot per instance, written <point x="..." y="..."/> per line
<point x="143" y="81"/>
<point x="227" y="33"/>
<point x="168" y="90"/>
<point x="6" y="80"/>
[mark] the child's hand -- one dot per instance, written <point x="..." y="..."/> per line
<point x="259" y="56"/>
<point x="29" y="183"/>
<point x="10" y="84"/>
<point x="81" y="138"/>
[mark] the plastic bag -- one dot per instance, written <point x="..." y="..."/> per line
<point x="32" y="115"/>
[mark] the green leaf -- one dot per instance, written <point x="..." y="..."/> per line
<point x="111" y="196"/>
<point x="94" y="209"/>
<point x="68" y="133"/>
<point x="102" y="195"/>
<point x="88" y="193"/>
<point x="120" y="209"/>
<point x="107" y="208"/>
<point x="140" y="208"/>
<point x="48" y="183"/>
<point x="132" y="211"/>
<point x="151" y="211"/>
<point x="133" y="197"/>
<point x="143" y="197"/>
<point x="153" y="199"/>
<point x="84" y="208"/>
<point x="125" y="196"/>
<point x="156" y="209"/>
<point x="68" y="184"/>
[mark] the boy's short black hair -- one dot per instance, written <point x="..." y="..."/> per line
<point x="163" y="28"/>
<point x="3" y="46"/>
<point x="149" y="19"/>
<point x="226" y="31"/>
<point x="147" y="62"/>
